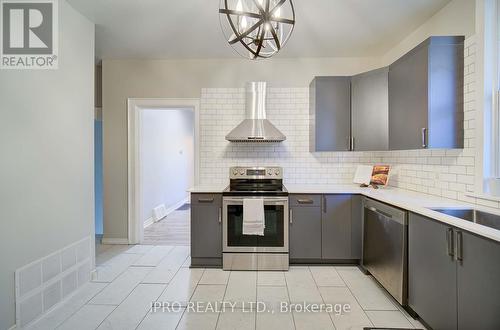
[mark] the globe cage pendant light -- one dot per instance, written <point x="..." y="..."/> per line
<point x="257" y="29"/>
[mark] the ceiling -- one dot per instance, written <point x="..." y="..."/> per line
<point x="190" y="28"/>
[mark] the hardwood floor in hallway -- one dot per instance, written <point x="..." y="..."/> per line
<point x="173" y="230"/>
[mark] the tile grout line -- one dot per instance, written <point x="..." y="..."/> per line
<point x="319" y="291"/>
<point x="356" y="298"/>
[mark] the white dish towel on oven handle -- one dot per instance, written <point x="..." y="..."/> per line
<point x="253" y="216"/>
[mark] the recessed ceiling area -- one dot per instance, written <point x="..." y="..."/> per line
<point x="159" y="29"/>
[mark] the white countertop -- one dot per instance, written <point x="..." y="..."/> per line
<point x="412" y="201"/>
<point x="207" y="189"/>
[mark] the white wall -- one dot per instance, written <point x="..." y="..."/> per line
<point x="456" y="18"/>
<point x="185" y="78"/>
<point x="167" y="158"/>
<point x="46" y="147"/>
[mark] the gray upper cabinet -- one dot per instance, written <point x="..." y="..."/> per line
<point x="478" y="286"/>
<point x="426" y="96"/>
<point x="330" y="114"/>
<point x="206" y="229"/>
<point x="370" y="110"/>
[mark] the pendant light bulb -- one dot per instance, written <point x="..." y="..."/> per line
<point x="244" y="23"/>
<point x="239" y="6"/>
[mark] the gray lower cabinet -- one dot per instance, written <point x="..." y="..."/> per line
<point x="330" y="113"/>
<point x="325" y="227"/>
<point x="336" y="227"/>
<point x="452" y="276"/>
<point x="432" y="284"/>
<point x="206" y="229"/>
<point x="478" y="283"/>
<point x="356" y="226"/>
<point x="305" y="227"/>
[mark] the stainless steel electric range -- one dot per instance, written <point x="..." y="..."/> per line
<point x="251" y="252"/>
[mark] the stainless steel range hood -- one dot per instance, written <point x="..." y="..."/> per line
<point x="255" y="128"/>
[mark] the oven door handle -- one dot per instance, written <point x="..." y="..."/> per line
<point x="267" y="201"/>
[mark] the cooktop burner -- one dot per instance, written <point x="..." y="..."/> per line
<point x="255" y="181"/>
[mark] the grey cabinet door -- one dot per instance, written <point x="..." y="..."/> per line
<point x="370" y="110"/>
<point x="305" y="232"/>
<point x="206" y="226"/>
<point x="330" y="114"/>
<point x="478" y="284"/>
<point x="432" y="273"/>
<point x="408" y="100"/>
<point x="356" y="226"/>
<point x="336" y="227"/>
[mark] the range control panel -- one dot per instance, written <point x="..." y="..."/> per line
<point x="273" y="172"/>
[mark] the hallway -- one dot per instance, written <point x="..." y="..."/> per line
<point x="173" y="230"/>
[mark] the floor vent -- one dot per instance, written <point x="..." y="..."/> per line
<point x="159" y="212"/>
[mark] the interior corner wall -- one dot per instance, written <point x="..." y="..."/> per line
<point x="46" y="167"/>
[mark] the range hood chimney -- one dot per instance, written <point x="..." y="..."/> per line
<point x="255" y="128"/>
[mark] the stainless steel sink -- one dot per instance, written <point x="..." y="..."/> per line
<point x="480" y="217"/>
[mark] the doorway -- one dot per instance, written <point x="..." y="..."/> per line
<point x="163" y="165"/>
<point x="166" y="173"/>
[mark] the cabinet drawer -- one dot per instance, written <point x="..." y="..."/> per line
<point x="305" y="200"/>
<point x="209" y="199"/>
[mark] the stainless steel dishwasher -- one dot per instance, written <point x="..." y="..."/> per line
<point x="385" y="247"/>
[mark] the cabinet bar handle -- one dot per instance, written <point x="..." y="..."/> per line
<point x="459" y="247"/>
<point x="385" y="214"/>
<point x="324" y="204"/>
<point x="305" y="201"/>
<point x="424" y="137"/>
<point x="220" y="214"/>
<point x="205" y="200"/>
<point x="352" y="143"/>
<point x="449" y="242"/>
<point x="291" y="216"/>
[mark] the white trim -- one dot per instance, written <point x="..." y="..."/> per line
<point x="135" y="105"/>
<point x="177" y="205"/>
<point x="118" y="241"/>
<point x="149" y="222"/>
<point x="13" y="327"/>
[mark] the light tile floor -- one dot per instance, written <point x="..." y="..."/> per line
<point x="130" y="278"/>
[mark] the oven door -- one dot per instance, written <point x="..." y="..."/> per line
<point x="275" y="237"/>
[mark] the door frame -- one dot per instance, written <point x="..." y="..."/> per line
<point x="135" y="106"/>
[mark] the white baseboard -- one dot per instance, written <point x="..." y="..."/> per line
<point x="149" y="222"/>
<point x="13" y="327"/>
<point x="176" y="206"/>
<point x="119" y="241"/>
